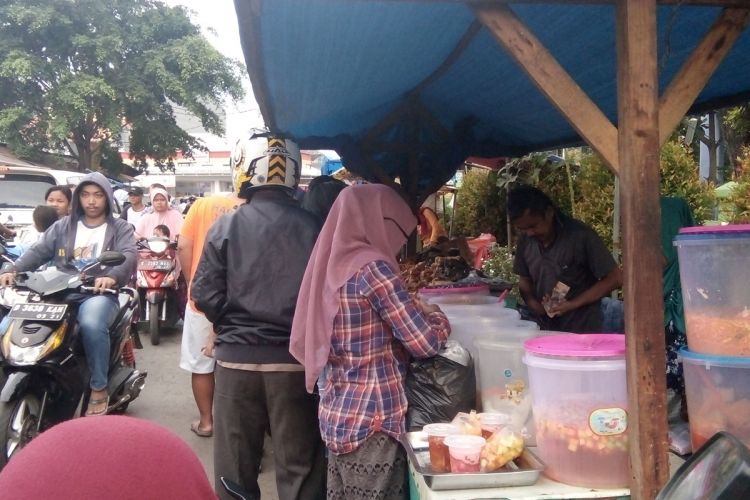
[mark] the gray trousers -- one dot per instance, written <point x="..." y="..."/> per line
<point x="245" y="404"/>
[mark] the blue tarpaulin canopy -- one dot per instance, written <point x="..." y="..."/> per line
<point x="411" y="88"/>
<point x="382" y="80"/>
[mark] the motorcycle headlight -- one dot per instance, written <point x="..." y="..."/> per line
<point x="158" y="245"/>
<point x="20" y="356"/>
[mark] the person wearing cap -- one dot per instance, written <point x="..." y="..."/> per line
<point x="135" y="209"/>
<point x="162" y="214"/>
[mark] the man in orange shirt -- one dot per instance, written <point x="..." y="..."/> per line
<point x="197" y="335"/>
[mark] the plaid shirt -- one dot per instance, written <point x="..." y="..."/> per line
<point x="376" y="329"/>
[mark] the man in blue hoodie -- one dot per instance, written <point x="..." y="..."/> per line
<point x="76" y="241"/>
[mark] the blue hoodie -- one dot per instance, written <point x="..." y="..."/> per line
<point x="58" y="241"/>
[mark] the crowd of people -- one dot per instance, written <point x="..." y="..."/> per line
<point x="298" y="325"/>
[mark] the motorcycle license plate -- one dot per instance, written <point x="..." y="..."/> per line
<point x="39" y="312"/>
<point x="155" y="265"/>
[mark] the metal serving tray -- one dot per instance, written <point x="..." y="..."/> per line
<point x="523" y="471"/>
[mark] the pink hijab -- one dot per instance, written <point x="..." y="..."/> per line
<point x="356" y="232"/>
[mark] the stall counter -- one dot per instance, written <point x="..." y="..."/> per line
<point x="543" y="489"/>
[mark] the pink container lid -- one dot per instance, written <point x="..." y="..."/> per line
<point x="578" y="345"/>
<point x="446" y="290"/>
<point x="731" y="228"/>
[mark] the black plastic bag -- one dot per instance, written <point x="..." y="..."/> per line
<point x="438" y="388"/>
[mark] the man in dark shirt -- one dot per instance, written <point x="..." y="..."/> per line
<point x="564" y="267"/>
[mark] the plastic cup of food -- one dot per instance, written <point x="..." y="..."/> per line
<point x="464" y="452"/>
<point x="436" y="434"/>
<point x="493" y="422"/>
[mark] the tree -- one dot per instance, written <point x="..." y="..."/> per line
<point x="75" y="74"/>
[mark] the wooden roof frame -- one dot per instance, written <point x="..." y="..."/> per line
<point x="646" y="120"/>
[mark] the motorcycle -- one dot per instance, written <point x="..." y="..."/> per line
<point x="43" y="363"/>
<point x="8" y="255"/>
<point x="157" y="282"/>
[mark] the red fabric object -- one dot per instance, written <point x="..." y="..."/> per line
<point x="108" y="457"/>
<point x="367" y="223"/>
<point x="480" y="248"/>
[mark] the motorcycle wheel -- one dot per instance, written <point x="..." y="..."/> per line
<point x="18" y="423"/>
<point x="153" y="323"/>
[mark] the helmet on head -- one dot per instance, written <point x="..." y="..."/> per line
<point x="264" y="161"/>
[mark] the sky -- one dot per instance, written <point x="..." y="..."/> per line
<point x="218" y="21"/>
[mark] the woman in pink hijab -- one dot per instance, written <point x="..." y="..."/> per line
<point x="355" y="329"/>
<point x="162" y="215"/>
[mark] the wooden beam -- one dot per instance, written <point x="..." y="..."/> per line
<point x="699" y="67"/>
<point x="552" y="79"/>
<point x="638" y="89"/>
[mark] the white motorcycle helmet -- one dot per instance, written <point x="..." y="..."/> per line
<point x="264" y="161"/>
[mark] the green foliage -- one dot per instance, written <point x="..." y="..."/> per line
<point x="738" y="120"/>
<point x="74" y="74"/>
<point x="480" y="208"/>
<point x="740" y="197"/>
<point x="595" y="194"/>
<point x="499" y="264"/>
<point x="552" y="174"/>
<point x="679" y="177"/>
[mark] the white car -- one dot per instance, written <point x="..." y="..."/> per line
<point x="21" y="190"/>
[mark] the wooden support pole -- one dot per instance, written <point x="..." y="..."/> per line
<point x="697" y="70"/>
<point x="639" y="177"/>
<point x="552" y="79"/>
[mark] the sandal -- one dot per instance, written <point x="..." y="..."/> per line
<point x="97" y="402"/>
<point x="195" y="427"/>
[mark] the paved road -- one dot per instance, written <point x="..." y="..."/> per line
<point x="167" y="399"/>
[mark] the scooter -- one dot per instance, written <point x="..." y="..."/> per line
<point x="7" y="296"/>
<point x="43" y="363"/>
<point x="157" y="284"/>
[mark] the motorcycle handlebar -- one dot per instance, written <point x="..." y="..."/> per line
<point x="94" y="289"/>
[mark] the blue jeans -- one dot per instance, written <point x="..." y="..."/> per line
<point x="95" y="314"/>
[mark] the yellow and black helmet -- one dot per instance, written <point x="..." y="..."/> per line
<point x="265" y="160"/>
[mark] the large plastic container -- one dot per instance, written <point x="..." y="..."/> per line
<point x="495" y="310"/>
<point x="579" y="401"/>
<point x="458" y="294"/>
<point x="715" y="276"/>
<point x="718" y="395"/>
<point x="503" y="379"/>
<point x="466" y="329"/>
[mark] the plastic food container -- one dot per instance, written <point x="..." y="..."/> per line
<point x="715" y="273"/>
<point x="492" y="422"/>
<point x="439" y="456"/>
<point x="458" y="294"/>
<point x="503" y="379"/>
<point x="495" y="310"/>
<point x="466" y="329"/>
<point x="464" y="452"/>
<point x="718" y="396"/>
<point x="579" y="402"/>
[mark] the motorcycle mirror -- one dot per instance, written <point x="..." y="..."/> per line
<point x="111" y="258"/>
<point x="719" y="470"/>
